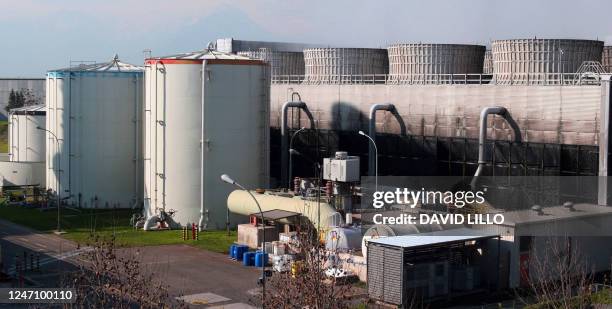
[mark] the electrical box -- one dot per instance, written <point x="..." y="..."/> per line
<point x="342" y="168"/>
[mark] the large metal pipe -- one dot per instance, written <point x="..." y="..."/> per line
<point x="372" y="131"/>
<point x="482" y="137"/>
<point x="241" y="202"/>
<point x="285" y="137"/>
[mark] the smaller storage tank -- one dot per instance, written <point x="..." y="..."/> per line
<point x="522" y="61"/>
<point x="281" y="63"/>
<point x="341" y="239"/>
<point x="344" y="65"/>
<point x="26" y="142"/>
<point x="606" y="58"/>
<point x="420" y="62"/>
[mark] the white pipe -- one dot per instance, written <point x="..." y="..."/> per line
<point x="241" y="202"/>
<point x="201" y="225"/>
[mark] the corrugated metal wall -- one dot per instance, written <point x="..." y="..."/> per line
<point x="385" y="273"/>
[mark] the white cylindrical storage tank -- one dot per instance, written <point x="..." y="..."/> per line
<point x="339" y="65"/>
<point x="206" y="114"/>
<point x="26" y="141"/>
<point x="527" y="60"/>
<point x="94" y="112"/>
<point x="422" y="62"/>
<point x="606" y="59"/>
<point x="487" y="67"/>
<point x="281" y="63"/>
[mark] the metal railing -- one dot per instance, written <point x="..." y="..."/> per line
<point x="549" y="79"/>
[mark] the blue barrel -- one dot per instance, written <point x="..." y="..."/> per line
<point x="248" y="258"/>
<point x="232" y="251"/>
<point x="261" y="259"/>
<point x="240" y="250"/>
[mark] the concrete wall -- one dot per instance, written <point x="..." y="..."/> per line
<point x="545" y="114"/>
<point x="36" y="86"/>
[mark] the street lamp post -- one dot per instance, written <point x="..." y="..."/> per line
<point x="228" y="179"/>
<point x="59" y="178"/>
<point x="291" y="154"/>
<point x="376" y="159"/>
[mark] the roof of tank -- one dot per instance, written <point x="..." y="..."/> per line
<point x="115" y="65"/>
<point x="30" y="109"/>
<point x="202" y="55"/>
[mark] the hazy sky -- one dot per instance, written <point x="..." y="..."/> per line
<point x="38" y="35"/>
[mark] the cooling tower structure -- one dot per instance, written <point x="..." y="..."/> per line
<point x="606" y="59"/>
<point x="344" y="65"/>
<point x="487" y="67"/>
<point x="206" y="114"/>
<point x="26" y="141"/>
<point x="281" y="63"/>
<point x="525" y="61"/>
<point x="94" y="152"/>
<point x="423" y="63"/>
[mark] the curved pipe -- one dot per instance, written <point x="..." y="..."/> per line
<point x="285" y="138"/>
<point x="372" y="131"/>
<point x="482" y="137"/>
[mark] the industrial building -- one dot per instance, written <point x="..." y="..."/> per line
<point x="94" y="136"/>
<point x="302" y="123"/>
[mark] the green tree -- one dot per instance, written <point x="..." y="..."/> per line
<point x="16" y="99"/>
<point x="21" y="98"/>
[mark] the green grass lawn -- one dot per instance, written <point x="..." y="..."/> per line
<point x="80" y="225"/>
<point x="3" y="136"/>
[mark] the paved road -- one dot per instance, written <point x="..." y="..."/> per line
<point x="200" y="276"/>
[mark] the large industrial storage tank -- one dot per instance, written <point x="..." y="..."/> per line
<point x="526" y="60"/>
<point x="26" y="141"/>
<point x="337" y="65"/>
<point x="206" y="114"/>
<point x="420" y="62"/>
<point x="281" y="63"/>
<point x="95" y="113"/>
<point x="606" y="59"/>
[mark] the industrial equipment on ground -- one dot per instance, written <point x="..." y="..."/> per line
<point x="416" y="269"/>
<point x="94" y="138"/>
<point x="206" y="114"/>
